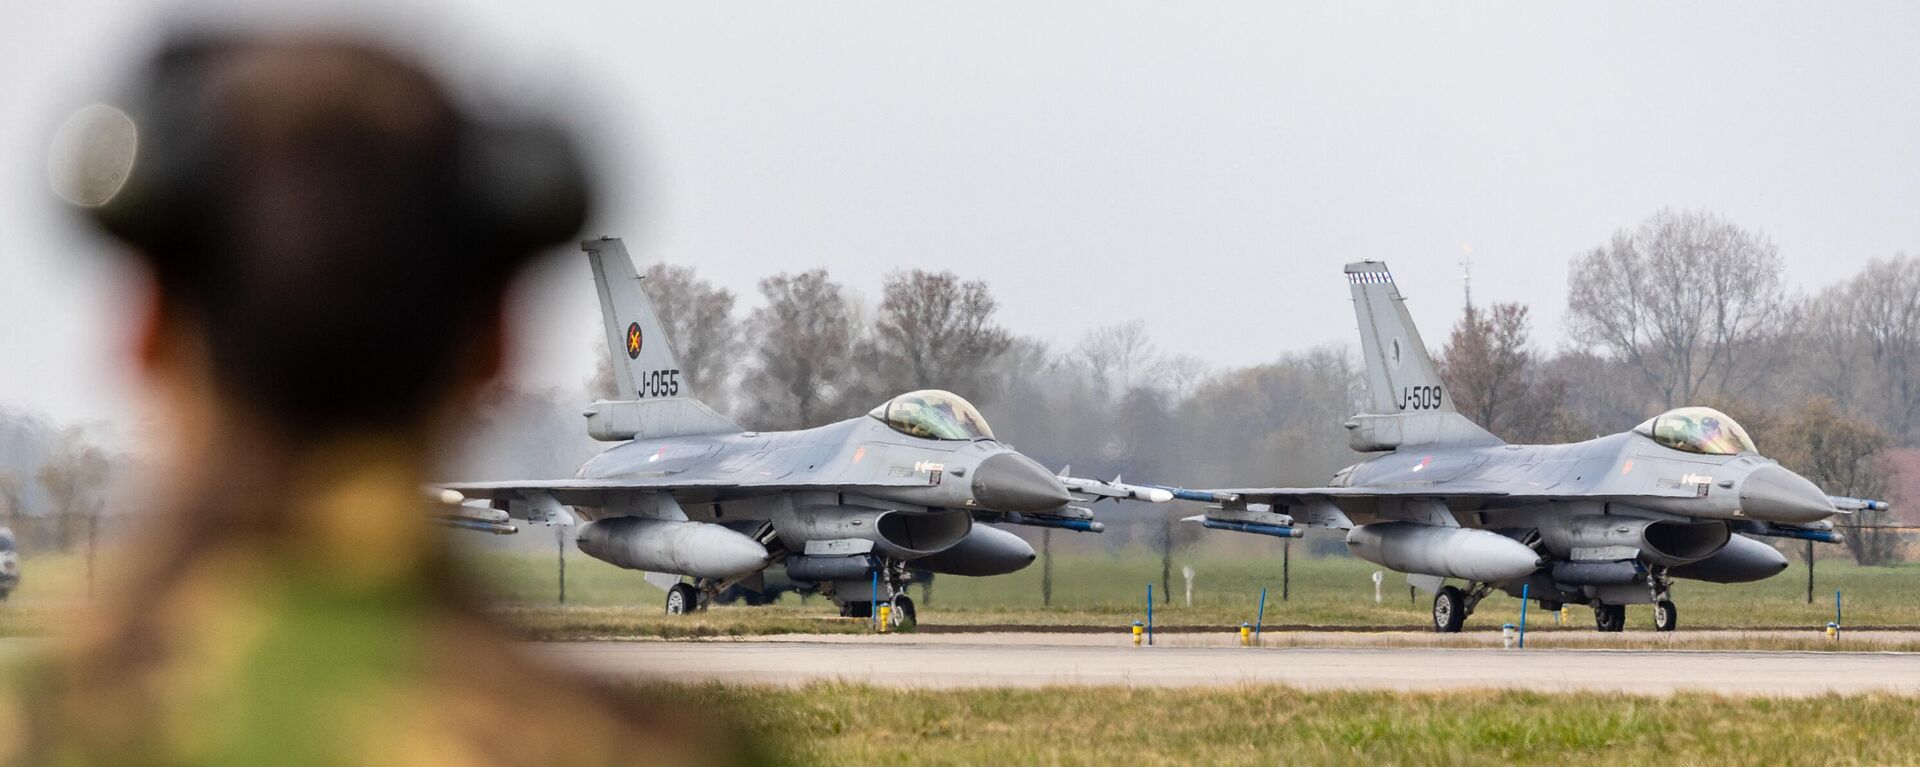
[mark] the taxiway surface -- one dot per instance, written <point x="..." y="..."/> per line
<point x="983" y="662"/>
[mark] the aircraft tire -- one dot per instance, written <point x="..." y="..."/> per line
<point x="683" y="598"/>
<point x="861" y="609"/>
<point x="1609" y="618"/>
<point x="1449" y="610"/>
<point x="903" y="617"/>
<point x="1665" y="617"/>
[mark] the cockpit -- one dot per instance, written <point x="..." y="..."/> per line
<point x="933" y="414"/>
<point x="1697" y="430"/>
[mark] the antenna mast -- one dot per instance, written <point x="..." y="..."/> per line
<point x="1466" y="278"/>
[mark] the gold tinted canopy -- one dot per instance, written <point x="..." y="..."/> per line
<point x="1698" y="430"/>
<point x="933" y="414"/>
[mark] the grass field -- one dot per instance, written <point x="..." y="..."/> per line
<point x="1089" y="590"/>
<point x="850" y="724"/>
<point x="837" y="723"/>
<point x="1111" y="590"/>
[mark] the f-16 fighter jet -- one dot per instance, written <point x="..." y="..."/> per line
<point x="1607" y="522"/>
<point x="847" y="508"/>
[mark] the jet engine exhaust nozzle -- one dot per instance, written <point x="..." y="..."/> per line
<point x="1775" y="494"/>
<point x="1013" y="482"/>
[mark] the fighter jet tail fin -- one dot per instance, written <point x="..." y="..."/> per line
<point x="653" y="399"/>
<point x="1407" y="402"/>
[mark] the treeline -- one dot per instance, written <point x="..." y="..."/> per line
<point x="1683" y="308"/>
<point x="54" y="482"/>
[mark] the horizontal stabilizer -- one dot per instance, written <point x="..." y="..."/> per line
<point x="621" y="420"/>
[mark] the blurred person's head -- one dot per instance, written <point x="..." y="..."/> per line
<point x="329" y="234"/>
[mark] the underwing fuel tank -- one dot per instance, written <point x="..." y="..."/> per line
<point x="1453" y="552"/>
<point x="699" y="549"/>
<point x="1742" y="560"/>
<point x="985" y="551"/>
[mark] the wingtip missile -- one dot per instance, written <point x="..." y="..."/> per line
<point x="1116" y="489"/>
<point x="1203" y="496"/>
<point x="1843" y="503"/>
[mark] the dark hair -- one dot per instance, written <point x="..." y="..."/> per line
<point x="341" y="230"/>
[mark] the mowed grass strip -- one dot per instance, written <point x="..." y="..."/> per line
<point x="854" y="724"/>
<point x="1110" y="589"/>
<point x="1089" y="589"/>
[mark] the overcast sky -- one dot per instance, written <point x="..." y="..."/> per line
<point x="1207" y="170"/>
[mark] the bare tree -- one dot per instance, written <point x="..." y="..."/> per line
<point x="1841" y="454"/>
<point x="1279" y="423"/>
<point x="1591" y="399"/>
<point x="1865" y="349"/>
<point x="1495" y="376"/>
<point x="13" y="498"/>
<point x="75" y="479"/>
<point x="1691" y="300"/>
<point x="1119" y="358"/>
<point x="803" y="351"/>
<point x="699" y="321"/>
<point x="936" y="331"/>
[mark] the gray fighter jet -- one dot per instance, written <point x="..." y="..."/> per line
<point x="847" y="509"/>
<point x="1607" y="522"/>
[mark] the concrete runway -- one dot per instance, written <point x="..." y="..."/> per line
<point x="980" y="661"/>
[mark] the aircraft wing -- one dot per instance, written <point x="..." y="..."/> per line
<point x="1284" y="511"/>
<point x="579" y="492"/>
<point x="1282" y="495"/>
<point x="545" y="501"/>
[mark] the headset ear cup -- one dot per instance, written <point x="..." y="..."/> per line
<point x="92" y="155"/>
<point x="523" y="185"/>
<point x="162" y="205"/>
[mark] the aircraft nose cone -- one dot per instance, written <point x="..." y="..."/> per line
<point x="1013" y="482"/>
<point x="1775" y="494"/>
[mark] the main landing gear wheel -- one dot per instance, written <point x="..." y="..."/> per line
<point x="860" y="609"/>
<point x="1449" y="610"/>
<point x="1665" y="618"/>
<point x="683" y="598"/>
<point x="1610" y="618"/>
<point x="902" y="616"/>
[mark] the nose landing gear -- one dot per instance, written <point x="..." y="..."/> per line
<point x="1665" y="618"/>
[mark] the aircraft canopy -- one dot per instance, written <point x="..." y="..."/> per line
<point x="1698" y="430"/>
<point x="933" y="414"/>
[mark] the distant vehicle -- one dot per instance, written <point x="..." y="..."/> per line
<point x="1607" y="522"/>
<point x="9" y="564"/>
<point x="847" y="509"/>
